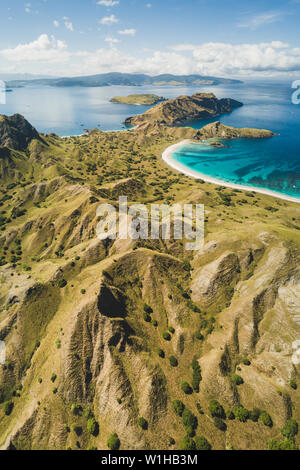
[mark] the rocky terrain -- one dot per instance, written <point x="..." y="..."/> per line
<point x="137" y="344"/>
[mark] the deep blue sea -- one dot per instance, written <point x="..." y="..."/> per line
<point x="272" y="163"/>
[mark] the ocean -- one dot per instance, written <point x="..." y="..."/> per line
<point x="272" y="164"/>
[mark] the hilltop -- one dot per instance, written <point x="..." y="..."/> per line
<point x="139" y="344"/>
<point x="184" y="109"/>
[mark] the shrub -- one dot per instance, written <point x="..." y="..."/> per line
<point x="189" y="419"/>
<point x="199" y="408"/>
<point x="202" y="443"/>
<point x="146" y="317"/>
<point x="171" y="329"/>
<point x="83" y="291"/>
<point x="77" y="429"/>
<point x="187" y="443"/>
<point x="220" y="424"/>
<point x="178" y="407"/>
<point x="293" y="384"/>
<point x="76" y="409"/>
<point x="62" y="283"/>
<point x="199" y="335"/>
<point x="161" y="353"/>
<point x="147" y="309"/>
<point x="173" y="361"/>
<point x="237" y="379"/>
<point x="186" y="388"/>
<point x="113" y="442"/>
<point x="246" y="362"/>
<point x="287" y="444"/>
<point x="166" y="336"/>
<point x="197" y="377"/>
<point x="216" y="409"/>
<point x="230" y="415"/>
<point x="190" y="431"/>
<point x="254" y="415"/>
<point x="266" y="419"/>
<point x="241" y="413"/>
<point x="93" y="427"/>
<point x="53" y="377"/>
<point x="154" y="323"/>
<point x="290" y="429"/>
<point x="8" y="407"/>
<point x="143" y="423"/>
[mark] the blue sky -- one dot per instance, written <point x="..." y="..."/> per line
<point x="80" y="37"/>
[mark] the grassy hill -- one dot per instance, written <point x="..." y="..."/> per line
<point x="137" y="99"/>
<point x="166" y="348"/>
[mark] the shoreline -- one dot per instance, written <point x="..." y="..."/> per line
<point x="167" y="158"/>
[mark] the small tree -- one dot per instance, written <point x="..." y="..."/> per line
<point x="8" y="407"/>
<point x="202" y="443"/>
<point x="173" y="361"/>
<point x="113" y="442"/>
<point x="189" y="419"/>
<point x="220" y="424"/>
<point x="241" y="413"/>
<point x="187" y="443"/>
<point x="216" y="409"/>
<point x="266" y="419"/>
<point x="290" y="429"/>
<point x="93" y="427"/>
<point x="178" y="407"/>
<point x="237" y="379"/>
<point x="143" y="423"/>
<point x="186" y="388"/>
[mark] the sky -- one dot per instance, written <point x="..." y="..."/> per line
<point x="208" y="37"/>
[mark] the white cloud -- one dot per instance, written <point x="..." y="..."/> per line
<point x="108" y="20"/>
<point x="111" y="40"/>
<point x="108" y="3"/>
<point x="69" y="25"/>
<point x="148" y="5"/>
<point x="43" y="49"/>
<point x="56" y="23"/>
<point x="48" y="55"/>
<point x="128" y="32"/>
<point x="262" y="19"/>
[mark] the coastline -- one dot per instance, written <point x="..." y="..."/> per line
<point x="167" y="158"/>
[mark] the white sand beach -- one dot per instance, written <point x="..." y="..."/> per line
<point x="167" y="157"/>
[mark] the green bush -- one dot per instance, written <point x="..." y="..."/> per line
<point x="143" y="423"/>
<point x="113" y="442"/>
<point x="290" y="429"/>
<point x="93" y="427"/>
<point x="173" y="361"/>
<point x="254" y="415"/>
<point x="62" y="283"/>
<point x="237" y="379"/>
<point x="220" y="424"/>
<point x="154" y="323"/>
<point x="178" y="407"/>
<point x="246" y="362"/>
<point x="186" y="388"/>
<point x="53" y="377"/>
<point x="147" y="309"/>
<point x="189" y="419"/>
<point x="197" y="377"/>
<point x="293" y="384"/>
<point x="161" y="353"/>
<point x="146" y="317"/>
<point x="202" y="443"/>
<point x="287" y="444"/>
<point x="8" y="407"/>
<point x="187" y="443"/>
<point x="171" y="329"/>
<point x="216" y="409"/>
<point x="266" y="419"/>
<point x="199" y="335"/>
<point x="166" y="336"/>
<point x="241" y="413"/>
<point x="77" y="429"/>
<point x="190" y="431"/>
<point x="230" y="415"/>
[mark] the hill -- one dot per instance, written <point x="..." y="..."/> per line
<point x="126" y="79"/>
<point x="141" y="338"/>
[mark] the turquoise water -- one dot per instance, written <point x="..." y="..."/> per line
<point x="273" y="163"/>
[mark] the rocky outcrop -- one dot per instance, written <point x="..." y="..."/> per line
<point x="219" y="130"/>
<point x="184" y="109"/>
<point x="15" y="132"/>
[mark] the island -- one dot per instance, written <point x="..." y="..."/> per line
<point x="136" y="99"/>
<point x="185" y="109"/>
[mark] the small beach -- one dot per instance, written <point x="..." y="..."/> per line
<point x="167" y="158"/>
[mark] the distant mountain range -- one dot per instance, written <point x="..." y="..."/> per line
<point x="124" y="79"/>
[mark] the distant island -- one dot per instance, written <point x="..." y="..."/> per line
<point x="125" y="79"/>
<point x="136" y="99"/>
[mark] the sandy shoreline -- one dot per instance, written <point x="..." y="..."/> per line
<point x="167" y="158"/>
